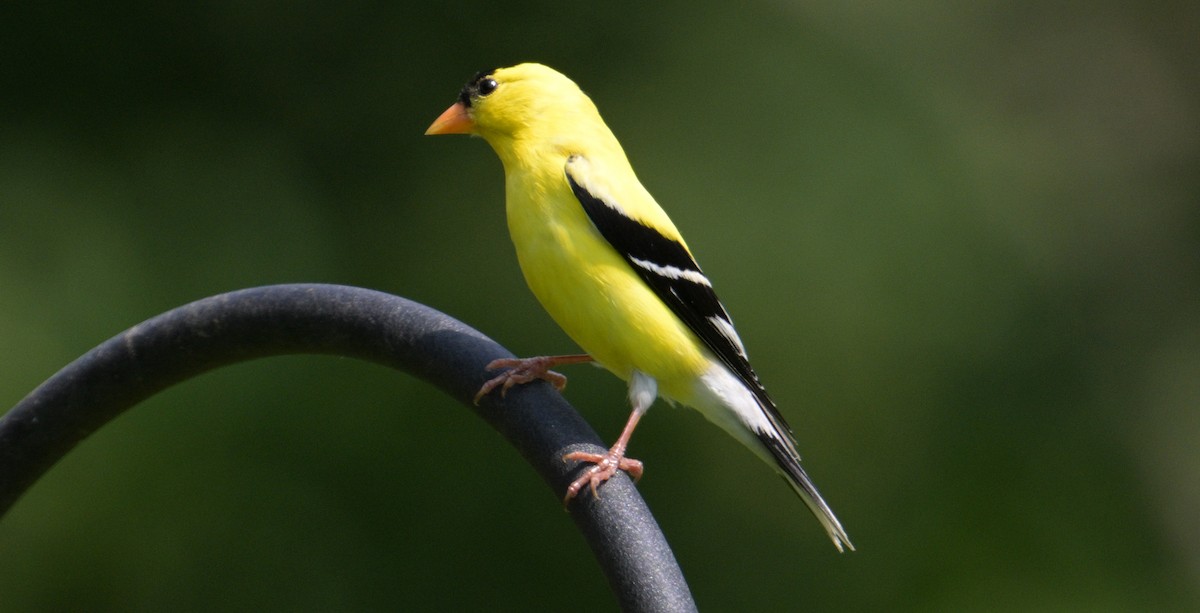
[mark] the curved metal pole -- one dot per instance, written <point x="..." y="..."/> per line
<point x="351" y="322"/>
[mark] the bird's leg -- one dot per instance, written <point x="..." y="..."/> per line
<point x="642" y="391"/>
<point x="606" y="464"/>
<point x="524" y="370"/>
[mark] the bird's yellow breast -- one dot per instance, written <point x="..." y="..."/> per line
<point x="589" y="290"/>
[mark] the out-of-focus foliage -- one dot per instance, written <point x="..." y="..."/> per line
<point x="962" y="244"/>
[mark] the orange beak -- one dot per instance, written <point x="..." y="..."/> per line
<point x="455" y="120"/>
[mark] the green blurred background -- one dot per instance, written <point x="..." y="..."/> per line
<point x="961" y="242"/>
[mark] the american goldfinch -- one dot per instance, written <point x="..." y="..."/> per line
<point x="611" y="269"/>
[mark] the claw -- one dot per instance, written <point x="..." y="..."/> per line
<point x="525" y="370"/>
<point x="606" y="465"/>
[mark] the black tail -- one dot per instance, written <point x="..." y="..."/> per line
<point x="788" y="462"/>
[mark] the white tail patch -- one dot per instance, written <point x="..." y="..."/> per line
<point x="727" y="402"/>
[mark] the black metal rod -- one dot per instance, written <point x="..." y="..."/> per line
<point x="351" y="322"/>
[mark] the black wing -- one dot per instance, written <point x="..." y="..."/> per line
<point x="667" y="267"/>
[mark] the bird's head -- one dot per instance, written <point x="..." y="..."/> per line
<point x="523" y="103"/>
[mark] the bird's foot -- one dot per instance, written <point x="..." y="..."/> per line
<point x="524" y="370"/>
<point x="606" y="465"/>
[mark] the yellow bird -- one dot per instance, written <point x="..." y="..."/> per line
<point x="611" y="269"/>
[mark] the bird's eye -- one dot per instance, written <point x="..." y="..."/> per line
<point x="487" y="86"/>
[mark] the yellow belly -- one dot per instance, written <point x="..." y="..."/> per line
<point x="596" y="298"/>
